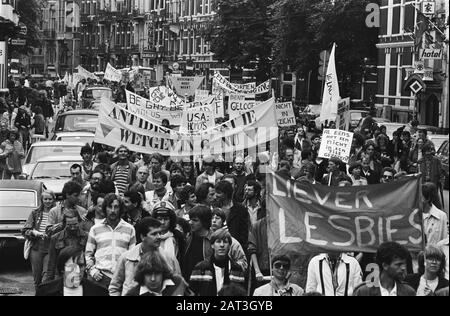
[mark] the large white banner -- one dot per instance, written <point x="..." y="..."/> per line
<point x="151" y="111"/>
<point x="118" y="126"/>
<point x="112" y="74"/>
<point x="185" y="86"/>
<point x="249" y="88"/>
<point x="331" y="95"/>
<point x="240" y="103"/>
<point x="201" y="95"/>
<point x="215" y="102"/>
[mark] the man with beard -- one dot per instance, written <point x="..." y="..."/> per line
<point x="222" y="269"/>
<point x="241" y="178"/>
<point x="237" y="217"/>
<point x="108" y="241"/>
<point x="253" y="201"/>
<point x="149" y="230"/>
<point x="91" y="189"/>
<point x="71" y="235"/>
<point x="133" y="210"/>
<point x="391" y="259"/>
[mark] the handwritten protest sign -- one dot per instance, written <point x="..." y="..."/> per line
<point x="197" y="119"/>
<point x="285" y="114"/>
<point x="201" y="95"/>
<point x="240" y="103"/>
<point x="112" y="74"/>
<point x="185" y="86"/>
<point x="336" y="144"/>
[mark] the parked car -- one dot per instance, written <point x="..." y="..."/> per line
<point x="93" y="94"/>
<point x="437" y="139"/>
<point x="76" y="121"/>
<point x="52" y="148"/>
<point x="54" y="172"/>
<point x="18" y="198"/>
<point x="81" y="137"/>
<point x="442" y="154"/>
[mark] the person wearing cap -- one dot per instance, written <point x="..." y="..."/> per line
<point x="160" y="193"/>
<point x="172" y="240"/>
<point x="280" y="285"/>
<point x="210" y="175"/>
<point x="149" y="230"/>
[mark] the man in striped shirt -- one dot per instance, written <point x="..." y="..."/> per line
<point x="123" y="171"/>
<point x="107" y="241"/>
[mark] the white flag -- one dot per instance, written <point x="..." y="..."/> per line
<point x="331" y="94"/>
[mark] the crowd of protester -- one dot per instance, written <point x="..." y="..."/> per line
<point x="136" y="224"/>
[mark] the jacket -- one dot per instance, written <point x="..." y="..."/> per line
<point x="123" y="279"/>
<point x="13" y="154"/>
<point x="207" y="252"/>
<point x="413" y="280"/>
<point x="319" y="278"/>
<point x="34" y="222"/>
<point x="238" y="223"/>
<point x="203" y="178"/>
<point x="131" y="171"/>
<point x="56" y="288"/>
<point x="257" y="244"/>
<point x="203" y="277"/>
<point x="366" y="289"/>
<point x="178" y="287"/>
<point x="60" y="241"/>
<point x="435" y="174"/>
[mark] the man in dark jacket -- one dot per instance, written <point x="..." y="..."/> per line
<point x="391" y="259"/>
<point x="237" y="217"/>
<point x="71" y="236"/>
<point x="210" y="275"/>
<point x="70" y="265"/>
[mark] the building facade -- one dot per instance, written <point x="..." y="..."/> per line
<point x="9" y="20"/>
<point x="400" y="43"/>
<point x="147" y="33"/>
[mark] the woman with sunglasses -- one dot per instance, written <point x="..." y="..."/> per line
<point x="280" y="285"/>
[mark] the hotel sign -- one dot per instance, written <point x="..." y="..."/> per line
<point x="431" y="53"/>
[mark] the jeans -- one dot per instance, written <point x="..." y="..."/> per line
<point x="7" y="175"/>
<point x="39" y="264"/>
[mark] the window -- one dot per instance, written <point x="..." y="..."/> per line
<point x="18" y="198"/>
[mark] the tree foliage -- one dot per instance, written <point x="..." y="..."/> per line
<point x="242" y="33"/>
<point x="293" y="33"/>
<point x="29" y="12"/>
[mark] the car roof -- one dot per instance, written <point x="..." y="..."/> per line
<point x="98" y="88"/>
<point x="73" y="134"/>
<point x="78" y="112"/>
<point x="59" y="158"/>
<point x="59" y="143"/>
<point x="20" y="184"/>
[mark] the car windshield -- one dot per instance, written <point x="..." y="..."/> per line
<point x="443" y="149"/>
<point x="39" y="152"/>
<point x="98" y="94"/>
<point x="77" y="123"/>
<point x="18" y="198"/>
<point x="52" y="170"/>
